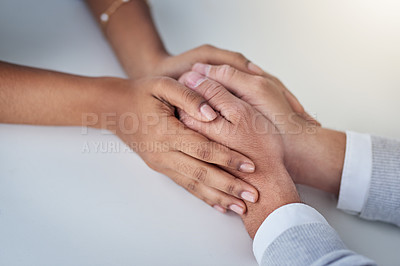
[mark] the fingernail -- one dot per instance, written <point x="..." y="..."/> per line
<point x="254" y="68"/>
<point x="236" y="208"/>
<point x="219" y="208"/>
<point x="246" y="168"/>
<point x="202" y="68"/>
<point x="208" y="112"/>
<point x="248" y="196"/>
<point x="194" y="79"/>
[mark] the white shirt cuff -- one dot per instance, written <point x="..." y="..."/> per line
<point x="356" y="175"/>
<point x="281" y="220"/>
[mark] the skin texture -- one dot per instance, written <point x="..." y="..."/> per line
<point x="33" y="96"/>
<point x="244" y="129"/>
<point x="134" y="39"/>
<point x="141" y="113"/>
<point x="39" y="97"/>
<point x="314" y="156"/>
<point x="139" y="48"/>
<point x="186" y="156"/>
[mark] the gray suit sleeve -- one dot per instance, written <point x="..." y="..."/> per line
<point x="319" y="244"/>
<point x="311" y="244"/>
<point x="383" y="202"/>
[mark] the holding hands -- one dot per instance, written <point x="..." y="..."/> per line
<point x="228" y="132"/>
<point x="215" y="123"/>
<point x="313" y="155"/>
<point x="260" y="118"/>
<point x="134" y="37"/>
<point x="242" y="128"/>
<point x="146" y="111"/>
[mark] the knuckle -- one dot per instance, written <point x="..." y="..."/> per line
<point x="191" y="186"/>
<point x="240" y="114"/>
<point x="200" y="174"/>
<point x="230" y="187"/>
<point x="189" y="96"/>
<point x="221" y="201"/>
<point x="206" y="200"/>
<point x="230" y="161"/>
<point x="185" y="119"/>
<point x="211" y="88"/>
<point x="242" y="110"/>
<point x="235" y="117"/>
<point x="183" y="168"/>
<point x="275" y="80"/>
<point x="225" y="72"/>
<point x="204" y="153"/>
<point x="161" y="83"/>
<point x="240" y="56"/>
<point x="207" y="47"/>
<point x="260" y="82"/>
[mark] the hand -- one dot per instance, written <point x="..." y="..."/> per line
<point x="175" y="66"/>
<point x="313" y="155"/>
<point x="255" y="90"/>
<point x="146" y="122"/>
<point x="242" y="128"/>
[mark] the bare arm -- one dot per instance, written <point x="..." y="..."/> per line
<point x="132" y="34"/>
<point x="128" y="109"/>
<point x="40" y="97"/>
<point x="135" y="40"/>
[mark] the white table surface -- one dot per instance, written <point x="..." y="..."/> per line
<point x="61" y="204"/>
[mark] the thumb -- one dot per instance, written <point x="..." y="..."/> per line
<point x="178" y="95"/>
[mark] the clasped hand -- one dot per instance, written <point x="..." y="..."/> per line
<point x="243" y="128"/>
<point x="223" y="157"/>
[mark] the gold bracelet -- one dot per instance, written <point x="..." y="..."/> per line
<point x="105" y="16"/>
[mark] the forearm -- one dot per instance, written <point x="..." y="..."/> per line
<point x="132" y="34"/>
<point x="316" y="159"/>
<point x="41" y="97"/>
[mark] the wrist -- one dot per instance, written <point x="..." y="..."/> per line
<point x="275" y="191"/>
<point x="104" y="105"/>
<point x="147" y="64"/>
<point x="315" y="158"/>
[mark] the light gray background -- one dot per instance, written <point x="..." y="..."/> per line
<point x="62" y="205"/>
